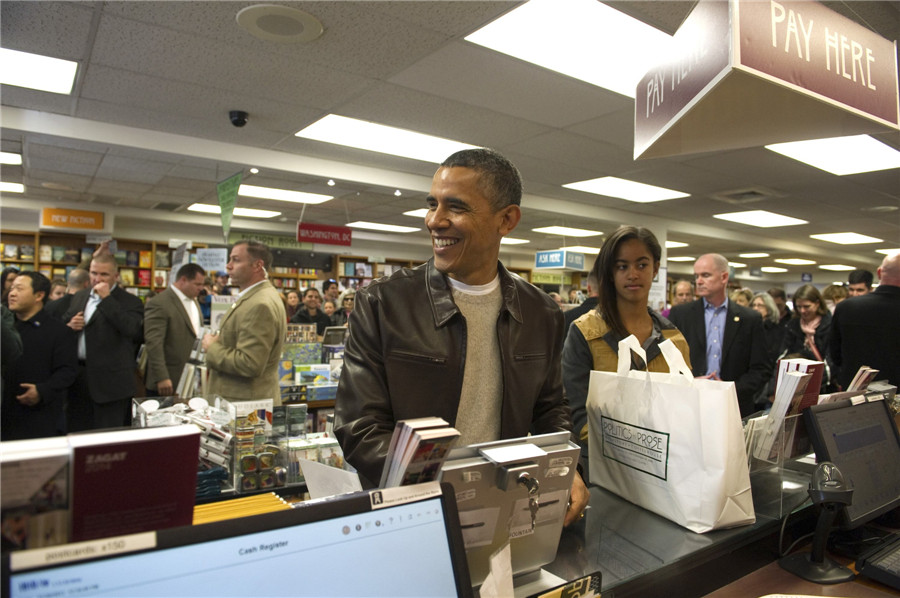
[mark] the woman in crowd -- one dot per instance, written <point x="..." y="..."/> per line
<point x="834" y="294"/>
<point x="341" y="317"/>
<point x="806" y="334"/>
<point x="7" y="276"/>
<point x="742" y="297"/>
<point x="625" y="268"/>
<point x="765" y="305"/>
<point x="291" y="302"/>
<point x="57" y="289"/>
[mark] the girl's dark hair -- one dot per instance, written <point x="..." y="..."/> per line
<point x="810" y="293"/>
<point x="603" y="270"/>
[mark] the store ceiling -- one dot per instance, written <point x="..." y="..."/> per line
<point x="147" y="125"/>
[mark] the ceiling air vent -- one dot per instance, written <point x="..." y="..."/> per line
<point x="745" y="196"/>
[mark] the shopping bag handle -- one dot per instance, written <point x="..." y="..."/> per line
<point x="626" y="346"/>
<point x="675" y="360"/>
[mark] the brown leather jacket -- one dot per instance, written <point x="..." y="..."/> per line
<point x="406" y="354"/>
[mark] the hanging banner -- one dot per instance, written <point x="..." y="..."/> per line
<point x="227" y="191"/>
<point x="327" y="235"/>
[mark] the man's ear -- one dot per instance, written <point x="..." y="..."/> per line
<point x="510" y="218"/>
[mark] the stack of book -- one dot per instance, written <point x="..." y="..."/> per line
<point x="417" y="451"/>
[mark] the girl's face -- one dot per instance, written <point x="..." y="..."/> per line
<point x="328" y="307"/>
<point x="809" y="310"/>
<point x="293" y="299"/>
<point x="633" y="271"/>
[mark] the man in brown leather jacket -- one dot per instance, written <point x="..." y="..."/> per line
<point x="458" y="337"/>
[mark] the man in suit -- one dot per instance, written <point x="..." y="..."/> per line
<point x="865" y="329"/>
<point x="109" y="321"/>
<point x="727" y="341"/>
<point x="172" y="322"/>
<point x="37" y="381"/>
<point x="79" y="279"/>
<point x="243" y="355"/>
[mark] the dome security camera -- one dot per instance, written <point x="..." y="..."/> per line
<point x="238" y="118"/>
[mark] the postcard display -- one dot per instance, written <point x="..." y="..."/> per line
<point x="254" y="445"/>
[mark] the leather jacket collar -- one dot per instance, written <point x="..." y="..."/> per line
<point x="440" y="293"/>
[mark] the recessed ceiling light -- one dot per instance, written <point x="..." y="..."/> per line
<point x="583" y="39"/>
<point x="397" y="193"/>
<point x="737" y="265"/>
<point x="254" y="171"/>
<point x="675" y="244"/>
<point x="567" y="231"/>
<point x="10" y="158"/>
<point x="887" y="251"/>
<point x="846" y="238"/>
<point x="752" y="255"/>
<point x="760" y="218"/>
<point x="420" y="213"/>
<point x="773" y="269"/>
<point x="248" y="212"/>
<point x="390" y="228"/>
<point x="582" y="249"/>
<point x="841" y="155"/>
<point x="381" y="138"/>
<point x="282" y="194"/>
<point x="795" y="261"/>
<point x="836" y="268"/>
<point x="611" y="186"/>
<point x="513" y="241"/>
<point x="331" y="182"/>
<point x="12" y="188"/>
<point x="682" y="258"/>
<point x="33" y="71"/>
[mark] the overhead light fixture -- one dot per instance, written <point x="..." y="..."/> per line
<point x="279" y="24"/>
<point x="841" y="155"/>
<point x="773" y="269"/>
<point x="682" y="258"/>
<point x="420" y="213"/>
<point x="254" y="171"/>
<point x="752" y="255"/>
<point x="583" y="39"/>
<point x="566" y="231"/>
<point x="846" y="238"/>
<point x="513" y="241"/>
<point x="12" y="187"/>
<point x="675" y="244"/>
<point x="582" y="249"/>
<point x="330" y="182"/>
<point x="887" y="251"/>
<point x="10" y="158"/>
<point x="282" y="194"/>
<point x="34" y="71"/>
<point x="389" y="228"/>
<point x="737" y="265"/>
<point x="374" y="137"/>
<point x="760" y="218"/>
<point x="837" y="267"/>
<point x="793" y="261"/>
<point x="611" y="186"/>
<point x="247" y="212"/>
<point x="397" y="193"/>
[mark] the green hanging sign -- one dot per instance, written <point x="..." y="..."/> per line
<point x="227" y="191"/>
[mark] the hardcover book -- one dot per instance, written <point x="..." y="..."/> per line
<point x="71" y="255"/>
<point x="45" y="253"/>
<point x="417" y="450"/>
<point x="11" y="251"/>
<point x="132" y="258"/>
<point x="57" y="253"/>
<point x="130" y="481"/>
<point x="143" y="278"/>
<point x="26" y="252"/>
<point x="126" y="277"/>
<point x="144" y="259"/>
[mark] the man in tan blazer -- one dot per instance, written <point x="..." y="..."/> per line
<point x="243" y="355"/>
<point x="172" y="322"/>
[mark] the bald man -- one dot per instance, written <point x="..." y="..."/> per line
<point x="865" y="330"/>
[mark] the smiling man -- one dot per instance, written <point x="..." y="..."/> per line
<point x="458" y="337"/>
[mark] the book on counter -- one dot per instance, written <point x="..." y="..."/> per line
<point x="805" y="366"/>
<point x="417" y="451"/>
<point x="132" y="480"/>
<point x="790" y="392"/>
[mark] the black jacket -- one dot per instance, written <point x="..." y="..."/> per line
<point x="405" y="358"/>
<point x="794" y="345"/>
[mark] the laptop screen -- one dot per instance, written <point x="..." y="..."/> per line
<point x="383" y="543"/>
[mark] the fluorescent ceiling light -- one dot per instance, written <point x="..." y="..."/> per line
<point x="583" y="39"/>
<point x="582" y="249"/>
<point x="675" y="244"/>
<point x="836" y="268"/>
<point x="773" y="269"/>
<point x="248" y="212"/>
<point x="795" y="261"/>
<point x="10" y="158"/>
<point x="381" y="138"/>
<point x="846" y="238"/>
<point x="887" y="251"/>
<point x="390" y="228"/>
<point x="624" y="189"/>
<point x="282" y="194"/>
<point x="752" y="255"/>
<point x="567" y="231"/>
<point x="682" y="258"/>
<point x="420" y="213"/>
<point x="12" y="188"/>
<point x="760" y="218"/>
<point x="37" y="72"/>
<point x="737" y="265"/>
<point x="513" y="241"/>
<point x="841" y="155"/>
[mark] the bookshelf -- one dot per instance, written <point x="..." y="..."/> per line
<point x="355" y="272"/>
<point x="286" y="278"/>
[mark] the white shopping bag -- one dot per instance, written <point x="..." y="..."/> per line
<point x="669" y="443"/>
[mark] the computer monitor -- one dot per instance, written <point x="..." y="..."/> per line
<point x="334" y="335"/>
<point x="494" y="509"/>
<point x="863" y="442"/>
<point x="380" y="543"/>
